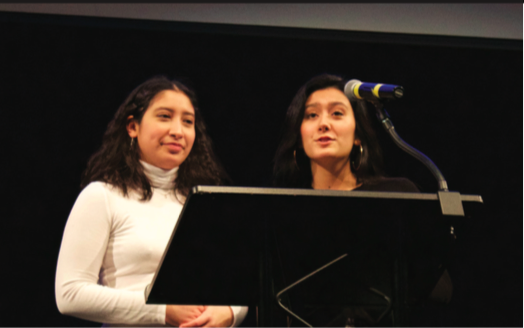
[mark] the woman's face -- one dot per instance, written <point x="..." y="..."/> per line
<point x="167" y="131"/>
<point x="328" y="126"/>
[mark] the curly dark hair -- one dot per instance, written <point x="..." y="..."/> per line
<point x="290" y="174"/>
<point x="117" y="161"/>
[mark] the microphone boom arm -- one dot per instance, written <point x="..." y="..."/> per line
<point x="388" y="126"/>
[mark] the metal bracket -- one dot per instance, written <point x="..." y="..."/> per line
<point x="451" y="203"/>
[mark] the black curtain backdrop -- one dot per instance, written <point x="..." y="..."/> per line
<point x="62" y="79"/>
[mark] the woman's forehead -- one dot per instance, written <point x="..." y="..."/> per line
<point x="328" y="96"/>
<point x="173" y="100"/>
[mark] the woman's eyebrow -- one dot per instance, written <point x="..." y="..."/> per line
<point x="164" y="108"/>
<point x="311" y="105"/>
<point x="331" y="104"/>
<point x="336" y="103"/>
<point x="184" y="112"/>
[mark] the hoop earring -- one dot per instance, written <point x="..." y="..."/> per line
<point x="359" y="159"/>
<point x="295" y="158"/>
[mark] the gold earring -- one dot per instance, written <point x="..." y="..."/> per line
<point x="359" y="159"/>
<point x="295" y="158"/>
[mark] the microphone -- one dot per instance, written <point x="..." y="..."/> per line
<point x="356" y="89"/>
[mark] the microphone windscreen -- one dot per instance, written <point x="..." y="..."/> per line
<point x="349" y="89"/>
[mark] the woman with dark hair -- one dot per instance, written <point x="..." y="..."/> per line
<point x="154" y="150"/>
<point x="328" y="143"/>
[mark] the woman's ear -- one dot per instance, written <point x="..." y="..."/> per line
<point x="132" y="127"/>
<point x="357" y="142"/>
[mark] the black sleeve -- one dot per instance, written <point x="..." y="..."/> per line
<point x="443" y="291"/>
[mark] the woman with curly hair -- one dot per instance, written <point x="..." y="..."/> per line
<point x="154" y="151"/>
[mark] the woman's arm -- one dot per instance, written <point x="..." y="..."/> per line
<point x="239" y="314"/>
<point x="83" y="248"/>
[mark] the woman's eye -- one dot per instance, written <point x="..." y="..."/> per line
<point x="164" y="116"/>
<point x="311" y="115"/>
<point x="190" y="122"/>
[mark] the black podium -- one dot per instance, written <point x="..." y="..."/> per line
<point x="315" y="249"/>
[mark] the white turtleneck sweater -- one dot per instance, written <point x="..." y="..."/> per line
<point x="111" y="249"/>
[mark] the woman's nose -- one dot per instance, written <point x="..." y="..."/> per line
<point x="323" y="124"/>
<point x="176" y="130"/>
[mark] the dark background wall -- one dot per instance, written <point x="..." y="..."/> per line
<point x="62" y="79"/>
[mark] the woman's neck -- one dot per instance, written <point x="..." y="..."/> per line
<point x="334" y="176"/>
<point x="158" y="177"/>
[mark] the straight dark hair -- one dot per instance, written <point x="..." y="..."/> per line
<point x="292" y="168"/>
<point x="117" y="160"/>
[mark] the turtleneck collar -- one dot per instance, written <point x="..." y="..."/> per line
<point x="160" y="178"/>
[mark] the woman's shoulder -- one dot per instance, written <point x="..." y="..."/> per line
<point x="97" y="187"/>
<point x="98" y="194"/>
<point x="100" y="190"/>
<point x="389" y="184"/>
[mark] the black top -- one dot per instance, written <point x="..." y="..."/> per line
<point x="389" y="184"/>
<point x="441" y="292"/>
<point x="444" y="288"/>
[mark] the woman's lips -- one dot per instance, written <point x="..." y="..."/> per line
<point x="324" y="141"/>
<point x="173" y="146"/>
